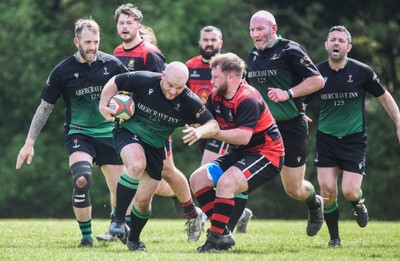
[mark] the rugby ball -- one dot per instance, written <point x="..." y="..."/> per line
<point x="124" y="105"/>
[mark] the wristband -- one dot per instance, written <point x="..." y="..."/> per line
<point x="289" y="93"/>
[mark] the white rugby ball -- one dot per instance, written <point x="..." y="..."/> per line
<point x="124" y="105"/>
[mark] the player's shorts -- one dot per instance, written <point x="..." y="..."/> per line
<point x="217" y="146"/>
<point x="101" y="149"/>
<point x="154" y="157"/>
<point x="295" y="138"/>
<point x="348" y="153"/>
<point x="257" y="169"/>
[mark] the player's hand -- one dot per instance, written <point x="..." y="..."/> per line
<point x="26" y="153"/>
<point x="108" y="114"/>
<point x="192" y="135"/>
<point x="277" y="95"/>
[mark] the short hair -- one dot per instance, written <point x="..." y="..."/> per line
<point x="89" y="24"/>
<point x="146" y="30"/>
<point x="340" y="28"/>
<point x="211" y="28"/>
<point x="129" y="10"/>
<point x="228" y="62"/>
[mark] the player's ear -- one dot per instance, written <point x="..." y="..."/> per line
<point x="349" y="47"/>
<point x="76" y="42"/>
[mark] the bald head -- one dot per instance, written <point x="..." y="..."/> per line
<point x="177" y="73"/>
<point x="264" y="15"/>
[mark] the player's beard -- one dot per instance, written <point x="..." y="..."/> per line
<point x="127" y="39"/>
<point x="207" y="54"/>
<point x="88" y="56"/>
<point x="221" y="90"/>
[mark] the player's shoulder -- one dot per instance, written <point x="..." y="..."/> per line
<point x="193" y="61"/>
<point x="149" y="47"/>
<point x="65" y="65"/>
<point x="118" y="49"/>
<point x="355" y="63"/>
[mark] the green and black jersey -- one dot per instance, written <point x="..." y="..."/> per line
<point x="283" y="66"/>
<point x="80" y="86"/>
<point x="342" y="100"/>
<point x="156" y="117"/>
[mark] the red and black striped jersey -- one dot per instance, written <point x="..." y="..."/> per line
<point x="247" y="110"/>
<point x="199" y="77"/>
<point x="142" y="57"/>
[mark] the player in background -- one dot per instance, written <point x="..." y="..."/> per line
<point x="79" y="79"/>
<point x="283" y="73"/>
<point x="140" y="55"/>
<point x="341" y="137"/>
<point x="163" y="103"/>
<point x="210" y="44"/>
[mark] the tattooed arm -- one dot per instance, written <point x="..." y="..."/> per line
<point x="39" y="120"/>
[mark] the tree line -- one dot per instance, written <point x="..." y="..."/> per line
<point x="36" y="35"/>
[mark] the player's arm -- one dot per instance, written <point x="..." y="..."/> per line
<point x="308" y="85"/>
<point x="109" y="90"/>
<point x="392" y="109"/>
<point x="237" y="136"/>
<point x="205" y="131"/>
<point x="38" y="121"/>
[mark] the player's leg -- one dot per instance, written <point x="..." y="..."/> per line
<point x="180" y="186"/>
<point x="295" y="137"/>
<point x="327" y="179"/>
<point x="141" y="211"/>
<point x="81" y="169"/>
<point x="213" y="149"/>
<point x="133" y="155"/>
<point x="112" y="173"/>
<point x="351" y="189"/>
<point x="165" y="190"/>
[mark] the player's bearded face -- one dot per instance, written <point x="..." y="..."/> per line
<point x="209" y="51"/>
<point x="89" y="54"/>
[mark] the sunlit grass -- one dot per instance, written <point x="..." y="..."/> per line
<point x="50" y="239"/>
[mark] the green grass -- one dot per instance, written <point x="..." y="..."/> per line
<point x="51" y="239"/>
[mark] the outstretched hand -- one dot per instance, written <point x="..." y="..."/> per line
<point x="192" y="135"/>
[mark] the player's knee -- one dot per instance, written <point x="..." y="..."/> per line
<point x="82" y="182"/>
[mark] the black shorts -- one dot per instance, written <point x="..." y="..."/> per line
<point x="257" y="169"/>
<point x="216" y="146"/>
<point x="295" y="138"/>
<point x="154" y="157"/>
<point x="348" y="153"/>
<point x="101" y="149"/>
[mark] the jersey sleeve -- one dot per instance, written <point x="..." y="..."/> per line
<point x="248" y="113"/>
<point x="196" y="109"/>
<point x="126" y="81"/>
<point x="155" y="62"/>
<point x="300" y="61"/>
<point x="53" y="87"/>
<point x="373" y="84"/>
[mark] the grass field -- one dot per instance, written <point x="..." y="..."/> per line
<point x="51" y="239"/>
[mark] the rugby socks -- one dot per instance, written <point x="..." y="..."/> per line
<point x="311" y="201"/>
<point x="222" y="211"/>
<point x="331" y="215"/>
<point x="138" y="221"/>
<point x="126" y="190"/>
<point x="206" y="197"/>
<point x="189" y="209"/>
<point x="86" y="228"/>
<point x="354" y="203"/>
<point x="178" y="208"/>
<point x="240" y="205"/>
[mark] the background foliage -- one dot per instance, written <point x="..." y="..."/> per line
<point x="36" y="35"/>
